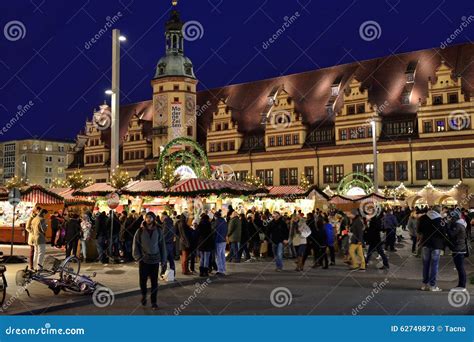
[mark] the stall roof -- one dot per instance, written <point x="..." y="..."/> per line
<point x="36" y="194"/>
<point x="195" y="186"/>
<point x="67" y="195"/>
<point x="145" y="188"/>
<point x="96" y="189"/>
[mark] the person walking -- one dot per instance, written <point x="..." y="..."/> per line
<point x="73" y="233"/>
<point x="234" y="235"/>
<point x="321" y="246"/>
<point x="390" y="225"/>
<point x="244" y="238"/>
<point x="149" y="249"/>
<point x="206" y="244"/>
<point x="29" y="230"/>
<point x="357" y="241"/>
<point x="220" y="229"/>
<point x="373" y="239"/>
<point x="115" y="233"/>
<point x="432" y="241"/>
<point x="170" y="237"/>
<point x="102" y="236"/>
<point x="86" y="235"/>
<point x="412" y="226"/>
<point x="38" y="228"/>
<point x="458" y="244"/>
<point x="184" y="233"/>
<point x="55" y="228"/>
<point x="279" y="235"/>
<point x="330" y="239"/>
<point x="298" y="225"/>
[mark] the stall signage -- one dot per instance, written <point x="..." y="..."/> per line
<point x="113" y="200"/>
<point x="14" y="197"/>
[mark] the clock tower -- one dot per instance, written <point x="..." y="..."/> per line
<point x="174" y="89"/>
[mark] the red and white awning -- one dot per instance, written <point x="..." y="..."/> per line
<point x="39" y="195"/>
<point x="285" y="190"/>
<point x="144" y="186"/>
<point x="195" y="185"/>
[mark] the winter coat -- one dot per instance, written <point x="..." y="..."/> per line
<point x="390" y="222"/>
<point x="357" y="230"/>
<point x="234" y="232"/>
<point x="184" y="232"/>
<point x="278" y="231"/>
<point x="86" y="230"/>
<point x="130" y="228"/>
<point x="205" y="237"/>
<point x="329" y="234"/>
<point x="412" y="226"/>
<point x="168" y="230"/>
<point x="29" y="229"/>
<point x="432" y="231"/>
<point x="116" y="227"/>
<point x="38" y="230"/>
<point x="372" y="233"/>
<point x="297" y="229"/>
<point x="220" y="229"/>
<point x="101" y="226"/>
<point x="244" y="236"/>
<point x="457" y="236"/>
<point x="150" y="249"/>
<point x="73" y="230"/>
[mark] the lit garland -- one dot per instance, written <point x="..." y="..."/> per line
<point x="120" y="178"/>
<point x="304" y="182"/>
<point x="169" y="178"/>
<point x="255" y="181"/>
<point x="77" y="181"/>
<point x="16" y="182"/>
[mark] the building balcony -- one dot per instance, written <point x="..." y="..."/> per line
<point x="160" y="131"/>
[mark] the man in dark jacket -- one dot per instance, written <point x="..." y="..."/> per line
<point x="433" y="238"/>
<point x="115" y="232"/>
<point x="279" y="235"/>
<point x="357" y="241"/>
<point x="101" y="236"/>
<point x="73" y="232"/>
<point x="170" y="238"/>
<point x="390" y="224"/>
<point x="149" y="249"/>
<point x="220" y="229"/>
<point x="234" y="234"/>
<point x="372" y="237"/>
<point x="54" y="227"/>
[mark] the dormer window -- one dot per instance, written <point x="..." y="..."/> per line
<point x="226" y="126"/>
<point x="361" y="108"/>
<point x="437" y="100"/>
<point x="453" y="98"/>
<point x="218" y="127"/>
<point x="350" y="109"/>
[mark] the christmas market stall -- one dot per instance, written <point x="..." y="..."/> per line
<point x="31" y="196"/>
<point x="74" y="203"/>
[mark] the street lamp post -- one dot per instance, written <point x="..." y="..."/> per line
<point x="115" y="99"/>
<point x="374" y="151"/>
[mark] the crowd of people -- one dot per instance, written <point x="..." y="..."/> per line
<point x="156" y="241"/>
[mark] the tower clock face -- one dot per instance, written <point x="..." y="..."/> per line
<point x="160" y="104"/>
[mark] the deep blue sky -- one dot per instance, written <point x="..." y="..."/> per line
<point x="51" y="66"/>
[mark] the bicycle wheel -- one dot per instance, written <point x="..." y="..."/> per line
<point x="69" y="270"/>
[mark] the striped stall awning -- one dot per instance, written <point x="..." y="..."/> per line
<point x="152" y="187"/>
<point x="209" y="186"/>
<point x="39" y="195"/>
<point x="285" y="190"/>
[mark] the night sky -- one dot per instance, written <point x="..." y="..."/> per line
<point x="52" y="64"/>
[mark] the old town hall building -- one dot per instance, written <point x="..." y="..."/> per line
<point x="317" y="123"/>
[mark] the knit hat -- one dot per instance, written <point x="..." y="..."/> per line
<point x="151" y="214"/>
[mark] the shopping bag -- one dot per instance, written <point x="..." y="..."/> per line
<point x="169" y="276"/>
<point x="264" y="247"/>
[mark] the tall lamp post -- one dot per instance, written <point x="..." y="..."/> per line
<point x="374" y="152"/>
<point x="115" y="98"/>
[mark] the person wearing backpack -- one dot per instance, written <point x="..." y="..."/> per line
<point x="458" y="244"/>
<point x="149" y="249"/>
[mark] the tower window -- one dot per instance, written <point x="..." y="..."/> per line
<point x="175" y="87"/>
<point x="176" y="99"/>
<point x="188" y="88"/>
<point x="161" y="88"/>
<point x="190" y="131"/>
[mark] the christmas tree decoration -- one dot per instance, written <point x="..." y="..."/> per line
<point x="255" y="181"/>
<point x="120" y="178"/>
<point x="169" y="178"/>
<point x="304" y="182"/>
<point x="59" y="183"/>
<point x="77" y="181"/>
<point x="16" y="182"/>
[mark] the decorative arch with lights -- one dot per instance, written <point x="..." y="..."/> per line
<point x="193" y="160"/>
<point x="355" y="180"/>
